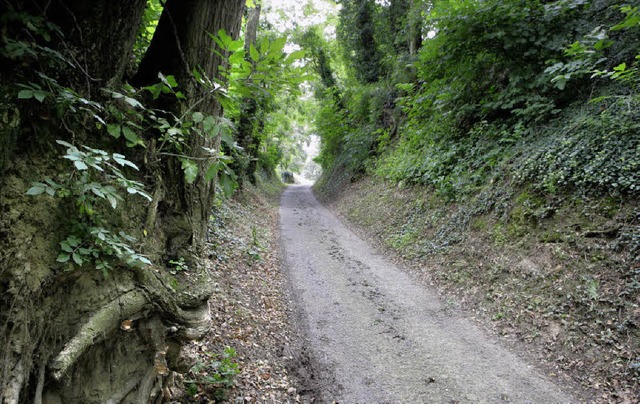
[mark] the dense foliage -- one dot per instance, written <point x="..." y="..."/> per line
<point x="492" y="80"/>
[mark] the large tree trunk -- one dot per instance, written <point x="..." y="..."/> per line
<point x="40" y="307"/>
<point x="61" y="333"/>
<point x="250" y="106"/>
<point x="415" y="27"/>
<point x="181" y="44"/>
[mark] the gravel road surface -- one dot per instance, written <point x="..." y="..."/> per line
<point x="375" y="336"/>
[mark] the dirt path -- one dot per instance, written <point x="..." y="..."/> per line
<point x="377" y="337"/>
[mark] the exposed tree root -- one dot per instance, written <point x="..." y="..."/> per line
<point x="11" y="394"/>
<point x="41" y="377"/>
<point x="97" y="327"/>
<point x="149" y="387"/>
<point x="119" y="396"/>
<point x="186" y="307"/>
<point x="194" y="320"/>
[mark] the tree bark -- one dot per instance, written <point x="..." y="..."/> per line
<point x="415" y="27"/>
<point x="35" y="314"/>
<point x="250" y="106"/>
<point x="73" y="317"/>
<point x="399" y="19"/>
<point x="101" y="33"/>
<point x="181" y="44"/>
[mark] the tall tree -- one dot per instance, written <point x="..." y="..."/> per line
<point x="61" y="331"/>
<point x="181" y="44"/>
<point x="398" y="23"/>
<point x="249" y="118"/>
<point x="316" y="47"/>
<point x="415" y="26"/>
<point x="357" y="33"/>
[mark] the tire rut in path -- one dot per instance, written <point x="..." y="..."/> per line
<point x="378" y="337"/>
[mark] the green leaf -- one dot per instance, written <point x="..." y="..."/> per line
<point x="155" y="90"/>
<point x="169" y="81"/>
<point x="253" y="52"/>
<point x="77" y="258"/>
<point x="226" y="39"/>
<point x="145" y="195"/>
<point x="63" y="258"/>
<point x="36" y="189"/>
<point x="64" y="246"/>
<point x="66" y="144"/>
<point x="190" y="170"/>
<point x="621" y="67"/>
<point x="131" y="136"/>
<point x="73" y="241"/>
<point x="40" y="95"/>
<point x="212" y="171"/>
<point x="277" y="46"/>
<point x="112" y="200"/>
<point x="74" y="155"/>
<point x="631" y="21"/>
<point x="143" y="259"/>
<point x="218" y="42"/>
<point x="235" y="45"/>
<point x="209" y="123"/>
<point x="25" y="94"/>
<point x="122" y="160"/>
<point x="227" y="183"/>
<point x="236" y="57"/>
<point x="197" y="117"/>
<point x="133" y="102"/>
<point x="114" y="130"/>
<point x="296" y="55"/>
<point x="98" y="192"/>
<point x="174" y="131"/>
<point x="80" y="165"/>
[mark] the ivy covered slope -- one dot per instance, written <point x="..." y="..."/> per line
<point x="498" y="152"/>
<point x="119" y="128"/>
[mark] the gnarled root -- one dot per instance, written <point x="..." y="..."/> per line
<point x="101" y="323"/>
<point x="11" y="393"/>
<point x="194" y="320"/>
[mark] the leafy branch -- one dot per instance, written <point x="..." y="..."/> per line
<point x="96" y="178"/>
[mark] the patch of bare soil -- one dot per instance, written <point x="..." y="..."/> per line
<point x="249" y="309"/>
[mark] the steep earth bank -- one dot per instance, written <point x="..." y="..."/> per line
<point x="556" y="279"/>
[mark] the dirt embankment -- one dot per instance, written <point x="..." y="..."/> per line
<point x="556" y="279"/>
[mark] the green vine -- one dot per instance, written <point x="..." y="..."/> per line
<point x="96" y="179"/>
